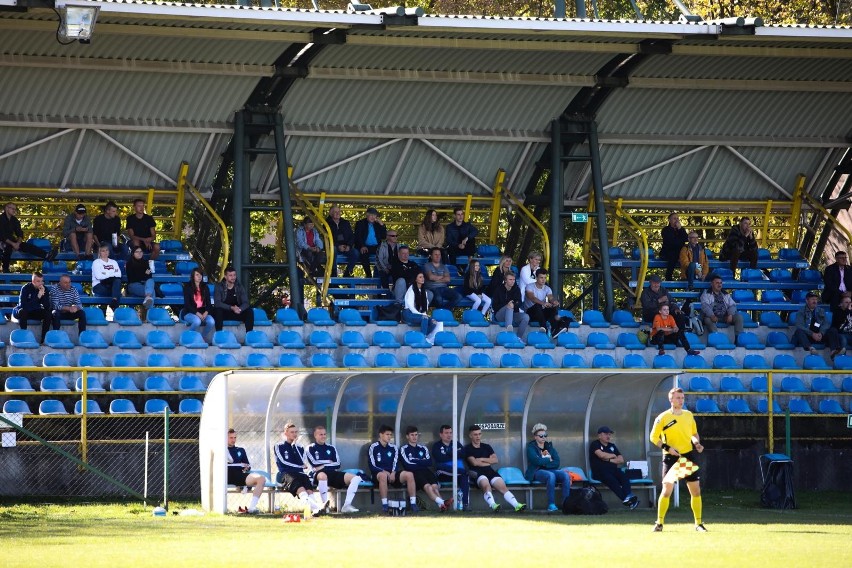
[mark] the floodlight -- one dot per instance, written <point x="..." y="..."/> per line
<point x="76" y="21"/>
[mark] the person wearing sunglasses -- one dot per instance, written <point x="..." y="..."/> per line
<point x="543" y="466"/>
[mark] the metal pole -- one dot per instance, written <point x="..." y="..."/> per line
<point x="287" y="208"/>
<point x="455" y="423"/>
<point x="238" y="192"/>
<point x="597" y="179"/>
<point x="166" y="458"/>
<point x="556" y="201"/>
<point x="145" y="481"/>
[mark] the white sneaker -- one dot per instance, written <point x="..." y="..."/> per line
<point x="349" y="509"/>
<point x="148" y="302"/>
<point x="509" y="327"/>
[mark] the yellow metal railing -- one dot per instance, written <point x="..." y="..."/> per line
<point x="800" y="192"/>
<point x="225" y="254"/>
<point x="526" y="214"/>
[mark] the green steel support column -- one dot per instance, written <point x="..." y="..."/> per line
<point x="238" y="192"/>
<point x="556" y="203"/>
<point x="287" y="208"/>
<point x="166" y="458"/>
<point x="597" y="179"/>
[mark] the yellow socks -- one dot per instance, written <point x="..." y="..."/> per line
<point x="662" y="508"/>
<point x="695" y="502"/>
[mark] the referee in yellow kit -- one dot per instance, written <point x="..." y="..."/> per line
<point x="676" y="433"/>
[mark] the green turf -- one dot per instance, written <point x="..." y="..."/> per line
<point x="742" y="534"/>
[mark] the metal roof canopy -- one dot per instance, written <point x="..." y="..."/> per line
<point x="432" y="105"/>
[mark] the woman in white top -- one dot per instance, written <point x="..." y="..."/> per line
<point x="416" y="306"/>
<point x="106" y="276"/>
<point x="527" y="275"/>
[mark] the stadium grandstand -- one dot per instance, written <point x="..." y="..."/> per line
<point x="573" y="137"/>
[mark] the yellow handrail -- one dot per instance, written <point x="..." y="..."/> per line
<point x="818" y="206"/>
<point x="639" y="233"/>
<point x="532" y="220"/>
<point x="226" y="245"/>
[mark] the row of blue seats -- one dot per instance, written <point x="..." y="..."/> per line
<point x="789" y="257"/>
<point x="789" y="384"/>
<point x="118" y="383"/>
<point x="795" y="406"/>
<point x="53" y="407"/>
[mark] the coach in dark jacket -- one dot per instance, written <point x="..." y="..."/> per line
<point x="835" y="275"/>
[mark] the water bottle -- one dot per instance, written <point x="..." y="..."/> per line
<point x="459" y="500"/>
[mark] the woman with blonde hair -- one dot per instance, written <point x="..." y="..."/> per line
<point x="543" y="465"/>
<point x="499" y="275"/>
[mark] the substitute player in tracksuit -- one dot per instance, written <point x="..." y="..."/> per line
<point x="416" y="459"/>
<point x="384" y="465"/>
<point x="442" y="453"/>
<point x="290" y="459"/>
<point x="326" y="472"/>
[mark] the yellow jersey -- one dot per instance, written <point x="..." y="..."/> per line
<point x="676" y="430"/>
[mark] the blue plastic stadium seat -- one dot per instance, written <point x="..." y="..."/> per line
<point x="14" y="406"/>
<point x="569" y="340"/>
<point x="800" y="406"/>
<point x="322" y="340"/>
<point x="288" y="317"/>
<point x="778" y="340"/>
<point x="23" y="339"/>
<point x="260" y="318"/>
<point x="753" y="361"/>
<point x="184" y="267"/>
<point x="772" y="320"/>
<point x="93" y="384"/>
<point x="291" y="360"/>
<point x="780" y="275"/>
<point x="447" y="340"/>
<point x="49" y="407"/>
<point x="351" y="317"/>
<point x="92" y="339"/>
<point x="634" y="361"/>
<point x="122" y="406"/>
<point x="190" y="339"/>
<point x="793" y="384"/>
<point x="664" y="361"/>
<point x="159" y="317"/>
<point x="158" y="339"/>
<point x="53" y="384"/>
<point x="190" y="406"/>
<point x="706" y="406"/>
<point x="90" y="360"/>
<point x="386" y="360"/>
<point x="354" y="360"/>
<point x="810" y="276"/>
<point x="416" y="340"/>
<point x="630" y="341"/>
<point x="20" y="360"/>
<point x="693" y="361"/>
<point x="843" y="362"/>
<point x="604" y="361"/>
<point x="815" y="362"/>
<point x="701" y="384"/>
<point x="126" y="339"/>
<point x="720" y="341"/>
<point x="418" y="360"/>
<point x="763" y="406"/>
<point x="226" y="360"/>
<point x="122" y="383"/>
<point x="353" y="339"/>
<point x="829" y="406"/>
<point x="543" y="361"/>
<point x="55" y="360"/>
<point x="92" y="407"/>
<point x="58" y="339"/>
<point x="512" y="476"/>
<point x="537" y="339"/>
<point x="158" y="360"/>
<point x="290" y="339"/>
<point x="724" y="362"/>
<point x="573" y="361"/>
<point x="224" y="339"/>
<point x="450" y="360"/>
<point x="624" y="318"/>
<point x="54" y="267"/>
<point x="125" y="360"/>
<point x="480" y="360"/>
<point x="319" y="316"/>
<point x="157" y="383"/>
<point x="125" y="316"/>
<point x="385" y="340"/>
<point x="258" y="340"/>
<point x="446" y="316"/>
<point x="191" y="383"/>
<point x="171" y="289"/>
<point x="512" y="361"/>
<point x="323" y="360"/>
<point x="823" y="384"/>
<point x="738" y="406"/>
<point x="749" y="340"/>
<point x="171" y="246"/>
<point x="474" y="318"/>
<point x="759" y="384"/>
<point x="773" y="297"/>
<point x="510" y="340"/>
<point x="731" y="384"/>
<point x="784" y="361"/>
<point x="192" y="360"/>
<point x="594" y="318"/>
<point x="751" y="275"/>
<point x="17" y="383"/>
<point x="478" y="340"/>
<point x="599" y="340"/>
<point x="258" y="360"/>
<point x="156" y="406"/>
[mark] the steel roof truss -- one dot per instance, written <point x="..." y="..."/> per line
<point x="72" y="161"/>
<point x="35" y="143"/>
<point x="135" y="156"/>
<point x="458" y="166"/>
<point x="398" y="168"/>
<point x="761" y="173"/>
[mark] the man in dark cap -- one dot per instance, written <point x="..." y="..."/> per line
<point x="369" y="233"/>
<point x="606" y="462"/>
<point x="654" y="296"/>
<point x="77" y="233"/>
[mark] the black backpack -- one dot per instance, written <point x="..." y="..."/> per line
<point x="584" y="501"/>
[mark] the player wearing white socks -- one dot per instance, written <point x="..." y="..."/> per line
<point x="480" y="457"/>
<point x="238" y="473"/>
<point x="290" y="458"/>
<point x="326" y="470"/>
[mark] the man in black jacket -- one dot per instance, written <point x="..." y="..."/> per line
<point x="369" y="233"/>
<point x="230" y="301"/>
<point x="34" y="303"/>
<point x="12" y="238"/>
<point x="837" y="278"/>
<point x="507" y="306"/>
<point x="343" y="239"/>
<point x="460" y="237"/>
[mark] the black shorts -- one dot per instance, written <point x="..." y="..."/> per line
<point x="424" y="477"/>
<point x="488" y="472"/>
<point x="396" y="483"/>
<point x="336" y="478"/>
<point x="669" y="460"/>
<point x="236" y="476"/>
<point x="292" y="482"/>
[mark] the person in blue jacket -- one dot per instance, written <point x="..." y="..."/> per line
<point x="543" y="466"/>
<point x="416" y="459"/>
<point x="292" y="463"/>
<point x="384" y="466"/>
<point x="442" y="454"/>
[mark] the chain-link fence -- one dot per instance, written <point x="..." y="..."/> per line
<point x="92" y="453"/>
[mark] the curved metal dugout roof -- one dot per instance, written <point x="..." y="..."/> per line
<point x="429" y="105"/>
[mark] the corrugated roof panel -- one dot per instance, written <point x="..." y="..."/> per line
<point x="725" y="113"/>
<point x="747" y="68"/>
<point x="40" y="165"/>
<point x="134" y="96"/>
<point x="409" y="104"/>
<point x="782" y="165"/>
<point x="665" y="182"/>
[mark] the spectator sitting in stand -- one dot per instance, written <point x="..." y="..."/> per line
<point x="665" y="328"/>
<point x="740" y="243"/>
<point x="34" y="303"/>
<point x="140" y="281"/>
<point x="542" y="306"/>
<point x="77" y="232"/>
<point x="654" y="296"/>
<point x="527" y="274"/>
<point x="719" y="306"/>
<point x="106" y="277"/>
<point x="403" y="272"/>
<point x="674" y="237"/>
<point x="837" y="278"/>
<point x="142" y="229"/>
<point x="231" y="302"/>
<point x="386" y="255"/>
<point x="841" y="320"/>
<point x="415" y="311"/>
<point x="309" y="247"/>
<point x="693" y="261"/>
<point x="430" y="234"/>
<point x="196" y="305"/>
<point x="106" y="229"/>
<point x="12" y="238"/>
<point x="344" y="240"/>
<point x="66" y="304"/>
<point x="810" y="327"/>
<point x="498" y="277"/>
<point x="438" y="281"/>
<point x="474" y="288"/>
<point x="369" y="232"/>
<point x="507" y="304"/>
<point x="460" y="237"/>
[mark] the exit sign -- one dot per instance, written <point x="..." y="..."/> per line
<point x="579" y="217"/>
<point x="849" y="421"/>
